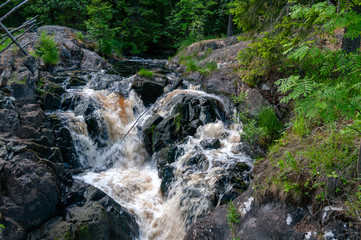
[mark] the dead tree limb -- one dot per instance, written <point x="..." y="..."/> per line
<point x="23" y="25"/>
<point x="13" y="10"/>
<point x="27" y="30"/>
<point x="12" y="38"/>
<point x="130" y="129"/>
<point x="2" y="5"/>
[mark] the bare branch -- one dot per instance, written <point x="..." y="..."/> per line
<point x="24" y="25"/>
<point x="27" y="30"/>
<point x="13" y="10"/>
<point x="2" y="5"/>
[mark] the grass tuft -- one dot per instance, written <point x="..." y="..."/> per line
<point x="145" y="73"/>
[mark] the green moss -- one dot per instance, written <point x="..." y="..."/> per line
<point x="178" y="121"/>
<point x="82" y="232"/>
<point x="20" y="81"/>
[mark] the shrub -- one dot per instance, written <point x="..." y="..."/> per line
<point x="232" y="218"/>
<point x="47" y="49"/>
<point x="80" y="36"/>
<point x="192" y="66"/>
<point x="268" y="120"/>
<point x="145" y="73"/>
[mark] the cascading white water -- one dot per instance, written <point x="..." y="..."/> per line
<point x="132" y="178"/>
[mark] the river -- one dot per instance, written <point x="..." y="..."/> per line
<point x="165" y="197"/>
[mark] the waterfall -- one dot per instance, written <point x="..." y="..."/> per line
<point x="122" y="167"/>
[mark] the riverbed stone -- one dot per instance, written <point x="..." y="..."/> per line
<point x="148" y="89"/>
<point x="75" y="81"/>
<point x="210" y="143"/>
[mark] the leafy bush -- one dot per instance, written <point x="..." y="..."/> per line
<point x="240" y="98"/>
<point x="192" y="65"/>
<point x="210" y="67"/>
<point x="47" y="49"/>
<point x="145" y="73"/>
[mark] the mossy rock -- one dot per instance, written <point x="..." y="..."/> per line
<point x="54" y="88"/>
<point x="82" y="232"/>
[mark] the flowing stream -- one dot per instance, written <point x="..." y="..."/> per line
<point x="121" y="166"/>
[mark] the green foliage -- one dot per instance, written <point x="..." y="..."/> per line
<point x="5" y="44"/>
<point x="252" y="133"/>
<point x="192" y="66"/>
<point x="70" y="13"/>
<point x="253" y="16"/>
<point x="320" y="166"/>
<point x="80" y="36"/>
<point x="100" y="14"/>
<point x="232" y="217"/>
<point x="196" y="19"/>
<point x="268" y="120"/>
<point x="354" y="206"/>
<point x="240" y="98"/>
<point x="263" y="130"/>
<point x="47" y="49"/>
<point x="2" y="227"/>
<point x="145" y="73"/>
<point x="210" y="67"/>
<point x="300" y="126"/>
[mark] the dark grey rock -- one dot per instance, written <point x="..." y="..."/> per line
<point x="211" y="143"/>
<point x="148" y="89"/>
<point x="75" y="82"/>
<point x="90" y="215"/>
<point x="22" y="92"/>
<point x="31" y="192"/>
<point x="52" y="101"/>
<point x="9" y="120"/>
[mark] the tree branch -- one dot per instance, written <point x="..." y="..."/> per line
<point x="13" y="10"/>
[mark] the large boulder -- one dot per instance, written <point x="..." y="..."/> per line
<point x="91" y="214"/>
<point x="189" y="112"/>
<point x="29" y="192"/>
<point x="149" y="89"/>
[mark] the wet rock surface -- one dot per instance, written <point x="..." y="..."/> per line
<point x="89" y="214"/>
<point x="269" y="220"/>
<point x="37" y="155"/>
<point x="188" y="114"/>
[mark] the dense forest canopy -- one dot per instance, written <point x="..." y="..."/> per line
<point x="133" y="26"/>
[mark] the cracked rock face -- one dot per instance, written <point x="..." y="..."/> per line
<point x="29" y="194"/>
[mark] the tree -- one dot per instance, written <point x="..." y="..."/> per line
<point x="352" y="43"/>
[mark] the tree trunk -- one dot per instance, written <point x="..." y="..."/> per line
<point x="351" y="45"/>
<point x="230" y="25"/>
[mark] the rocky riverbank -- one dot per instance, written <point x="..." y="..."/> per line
<point x="38" y="198"/>
<point x="263" y="214"/>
